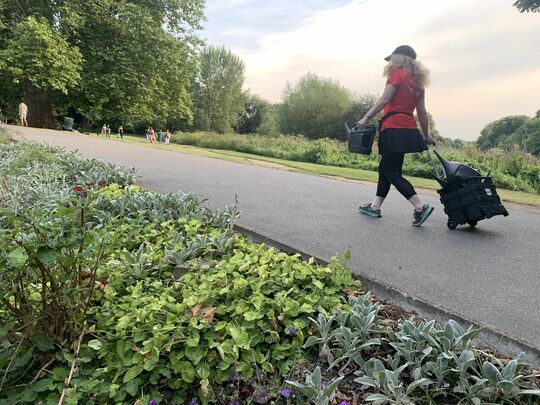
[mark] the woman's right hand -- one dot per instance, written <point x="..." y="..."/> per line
<point x="362" y="123"/>
<point x="430" y="140"/>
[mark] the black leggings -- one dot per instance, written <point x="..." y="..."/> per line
<point x="390" y="172"/>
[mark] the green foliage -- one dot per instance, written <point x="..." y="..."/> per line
<point x="526" y="6"/>
<point x="529" y="135"/>
<point x="513" y="170"/>
<point x="38" y="53"/>
<point x="169" y="299"/>
<point x="138" y="57"/>
<point x="425" y="363"/>
<point x="314" y="107"/>
<point x="217" y="90"/>
<point x="316" y="390"/>
<point x="498" y="131"/>
<point x="258" y="117"/>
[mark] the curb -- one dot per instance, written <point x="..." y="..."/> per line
<point x="499" y="342"/>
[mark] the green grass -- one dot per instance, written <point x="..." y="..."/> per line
<point x="427" y="185"/>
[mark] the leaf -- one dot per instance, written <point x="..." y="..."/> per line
<point x="530" y="392"/>
<point x="187" y="371"/>
<point x="132" y="387"/>
<point x="42" y="342"/>
<point x="41" y="385"/>
<point x="491" y="372"/>
<point x="203" y="371"/>
<point x="377" y="397"/>
<point x="203" y="310"/>
<point x="17" y="257"/>
<point x="423" y="382"/>
<point x="95" y="344"/>
<point x="240" y="336"/>
<point x="46" y="255"/>
<point x="365" y="381"/>
<point x="193" y="339"/>
<point x="133" y="372"/>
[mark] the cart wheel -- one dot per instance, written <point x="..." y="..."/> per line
<point x="452" y="225"/>
<point x="472" y="223"/>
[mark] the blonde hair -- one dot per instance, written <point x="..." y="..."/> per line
<point x="419" y="71"/>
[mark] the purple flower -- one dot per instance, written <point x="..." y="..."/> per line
<point x="152" y="402"/>
<point x="292" y="332"/>
<point x="325" y="383"/>
<point x="285" y="392"/>
<point x="193" y="402"/>
<point x="344" y="403"/>
<point x="234" y="403"/>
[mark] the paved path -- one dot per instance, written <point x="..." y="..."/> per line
<point x="489" y="275"/>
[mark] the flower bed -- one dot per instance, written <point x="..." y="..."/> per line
<point x="114" y="294"/>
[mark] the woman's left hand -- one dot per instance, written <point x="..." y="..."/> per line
<point x="362" y="123"/>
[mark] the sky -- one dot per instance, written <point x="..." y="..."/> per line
<point x="484" y="56"/>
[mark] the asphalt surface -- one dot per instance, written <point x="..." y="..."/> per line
<point x="489" y="275"/>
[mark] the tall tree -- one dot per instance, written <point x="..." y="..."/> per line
<point x="526" y="6"/>
<point x="40" y="60"/>
<point x="137" y="55"/>
<point x="498" y="131"/>
<point x="314" y="107"/>
<point x="252" y="117"/>
<point x="217" y="90"/>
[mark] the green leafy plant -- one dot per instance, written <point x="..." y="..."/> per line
<point x="318" y="391"/>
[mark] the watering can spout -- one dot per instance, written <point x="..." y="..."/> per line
<point x="347" y="128"/>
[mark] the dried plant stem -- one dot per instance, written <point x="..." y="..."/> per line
<point x="72" y="371"/>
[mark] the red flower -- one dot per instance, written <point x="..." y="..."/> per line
<point x="102" y="183"/>
<point x="77" y="189"/>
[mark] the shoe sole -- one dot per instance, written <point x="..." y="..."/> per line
<point x="424" y="217"/>
<point x="369" y="214"/>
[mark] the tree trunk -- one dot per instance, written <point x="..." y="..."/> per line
<point x="39" y="108"/>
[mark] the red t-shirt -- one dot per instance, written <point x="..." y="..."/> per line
<point x="404" y="100"/>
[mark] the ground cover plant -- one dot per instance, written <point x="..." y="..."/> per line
<point x="114" y="294"/>
<point x="514" y="170"/>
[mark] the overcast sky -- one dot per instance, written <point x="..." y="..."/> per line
<point x="484" y="56"/>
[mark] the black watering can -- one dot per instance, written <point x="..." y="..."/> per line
<point x="360" y="140"/>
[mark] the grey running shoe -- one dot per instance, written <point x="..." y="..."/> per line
<point x="367" y="210"/>
<point x="419" y="217"/>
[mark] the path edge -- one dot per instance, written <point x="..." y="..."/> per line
<point x="499" y="342"/>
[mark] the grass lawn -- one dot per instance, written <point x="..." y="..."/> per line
<point x="427" y="185"/>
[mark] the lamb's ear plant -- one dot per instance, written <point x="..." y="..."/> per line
<point x="318" y="391"/>
<point x="323" y="325"/>
<point x="506" y="381"/>
<point x="388" y="383"/>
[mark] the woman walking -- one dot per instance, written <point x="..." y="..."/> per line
<point x="398" y="133"/>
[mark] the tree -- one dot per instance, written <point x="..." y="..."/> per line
<point x="314" y="107"/>
<point x="41" y="60"/>
<point x="359" y="107"/>
<point x="526" y="6"/>
<point x="498" y="131"/>
<point x="138" y="56"/>
<point x="252" y="117"/>
<point x="217" y="90"/>
<point x="528" y="136"/>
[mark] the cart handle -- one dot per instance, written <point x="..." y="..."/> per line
<point x="435" y="170"/>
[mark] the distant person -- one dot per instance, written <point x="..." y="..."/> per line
<point x="23" y="114"/>
<point x="152" y="135"/>
<point x="398" y="133"/>
<point x="167" y="137"/>
<point x="108" y="131"/>
<point x="147" y="133"/>
<point x="161" y="136"/>
<point x="120" y="132"/>
<point x="104" y="129"/>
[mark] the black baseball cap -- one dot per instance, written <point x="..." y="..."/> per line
<point x="403" y="50"/>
